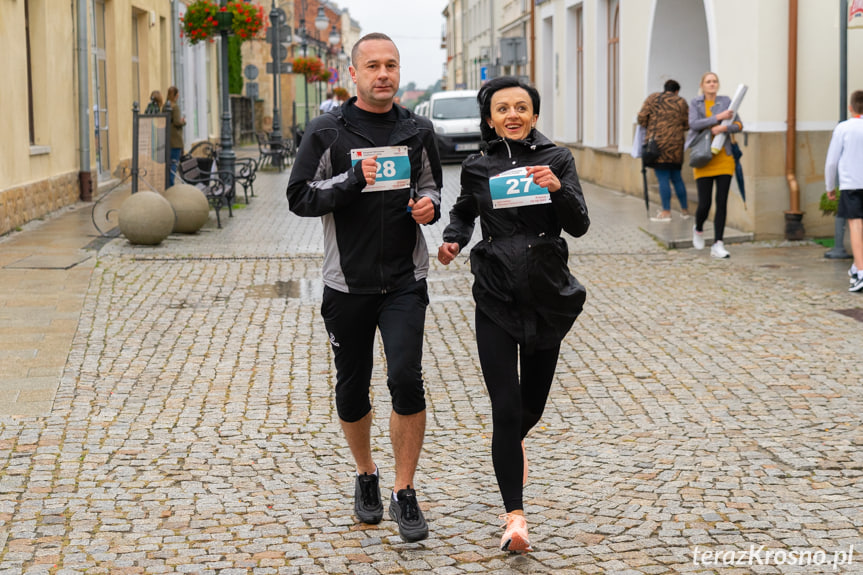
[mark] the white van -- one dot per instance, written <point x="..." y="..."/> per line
<point x="422" y="109"/>
<point x="455" y="115"/>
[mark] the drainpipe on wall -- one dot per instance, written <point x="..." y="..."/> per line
<point x="533" y="42"/>
<point x="843" y="60"/>
<point x="793" y="217"/>
<point x="85" y="182"/>
<point x="176" y="58"/>
<point x="465" y="61"/>
<point x="492" y="59"/>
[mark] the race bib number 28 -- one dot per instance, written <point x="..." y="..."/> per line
<point x="393" y="167"/>
<point x="514" y="188"/>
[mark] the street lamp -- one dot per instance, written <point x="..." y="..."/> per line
<point x="321" y="23"/>
<point x="343" y="64"/>
<point x="305" y="44"/>
<point x="226" y="138"/>
<point x="321" y="20"/>
<point x="277" y="16"/>
<point x="333" y="41"/>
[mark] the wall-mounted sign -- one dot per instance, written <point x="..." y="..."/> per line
<point x="855" y="14"/>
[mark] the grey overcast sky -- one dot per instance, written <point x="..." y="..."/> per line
<point x="416" y="26"/>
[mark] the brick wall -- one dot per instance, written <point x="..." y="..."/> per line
<point x="25" y="203"/>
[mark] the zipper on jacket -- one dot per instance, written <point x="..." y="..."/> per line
<point x="539" y="235"/>
<point x="351" y="129"/>
<point x="381" y="241"/>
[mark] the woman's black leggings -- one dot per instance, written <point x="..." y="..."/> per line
<point x="515" y="406"/>
<point x="705" y="194"/>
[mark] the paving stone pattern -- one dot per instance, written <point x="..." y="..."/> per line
<point x="698" y="404"/>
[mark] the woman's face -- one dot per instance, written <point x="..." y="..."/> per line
<point x="512" y="113"/>
<point x="710" y="84"/>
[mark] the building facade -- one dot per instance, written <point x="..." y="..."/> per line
<point x="72" y="70"/>
<point x="595" y="61"/>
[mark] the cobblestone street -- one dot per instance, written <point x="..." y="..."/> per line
<point x="699" y="406"/>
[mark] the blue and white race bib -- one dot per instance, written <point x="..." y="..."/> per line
<point x="394" y="167"/>
<point x="514" y="188"/>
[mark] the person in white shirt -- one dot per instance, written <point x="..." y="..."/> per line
<point x="330" y="103"/>
<point x="844" y="166"/>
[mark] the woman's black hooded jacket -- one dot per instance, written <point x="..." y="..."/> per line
<point x="521" y="277"/>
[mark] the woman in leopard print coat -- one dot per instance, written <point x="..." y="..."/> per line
<point x="665" y="117"/>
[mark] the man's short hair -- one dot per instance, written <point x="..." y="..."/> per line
<point x="671" y="86"/>
<point x="355" y="51"/>
<point x="857" y="102"/>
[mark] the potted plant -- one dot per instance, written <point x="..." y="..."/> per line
<point x="204" y="19"/>
<point x="827" y="206"/>
<point x="308" y="67"/>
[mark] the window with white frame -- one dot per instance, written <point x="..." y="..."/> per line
<point x="613" y="69"/>
<point x="27" y="24"/>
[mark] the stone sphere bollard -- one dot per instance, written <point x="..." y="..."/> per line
<point x="146" y="218"/>
<point x="191" y="207"/>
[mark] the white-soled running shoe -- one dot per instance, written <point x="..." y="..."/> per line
<point x="697" y="239"/>
<point x="718" y="250"/>
<point x="515" y="538"/>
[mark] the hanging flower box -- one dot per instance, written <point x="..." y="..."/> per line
<point x="204" y="19"/>
<point x="312" y="68"/>
<point x="224" y="21"/>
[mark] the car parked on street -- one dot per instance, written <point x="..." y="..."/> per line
<point x="456" y="119"/>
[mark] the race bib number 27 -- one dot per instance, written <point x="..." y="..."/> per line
<point x="393" y="167"/>
<point x="514" y="188"/>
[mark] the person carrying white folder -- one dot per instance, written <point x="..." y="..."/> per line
<point x="708" y="110"/>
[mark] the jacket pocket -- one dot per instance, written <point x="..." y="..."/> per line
<point x="492" y="276"/>
<point x="548" y="271"/>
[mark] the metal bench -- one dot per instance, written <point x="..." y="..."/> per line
<point x="216" y="185"/>
<point x="279" y="155"/>
<point x="245" y="169"/>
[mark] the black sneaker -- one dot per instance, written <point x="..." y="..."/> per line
<point x="406" y="512"/>
<point x="367" y="499"/>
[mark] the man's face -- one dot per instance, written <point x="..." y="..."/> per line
<point x="376" y="74"/>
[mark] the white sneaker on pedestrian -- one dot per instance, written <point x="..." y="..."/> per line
<point x="697" y="239"/>
<point x="718" y="250"/>
<point x="661" y="216"/>
<point x="858" y="283"/>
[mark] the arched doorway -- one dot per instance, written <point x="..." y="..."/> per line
<point x="679" y="46"/>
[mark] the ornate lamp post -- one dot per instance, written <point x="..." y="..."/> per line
<point x="276" y="17"/>
<point x="321" y="23"/>
<point x="226" y="137"/>
<point x="343" y="64"/>
<point x="333" y="41"/>
<point x="305" y="44"/>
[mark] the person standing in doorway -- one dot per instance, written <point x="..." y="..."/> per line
<point x="176" y="132"/>
<point x="843" y="168"/>
<point x="155" y="105"/>
<point x="370" y="170"/>
<point x="665" y="117"/>
<point x="708" y="110"/>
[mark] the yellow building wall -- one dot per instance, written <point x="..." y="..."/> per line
<point x="42" y="175"/>
<point x="55" y="114"/>
<point x="152" y="21"/>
